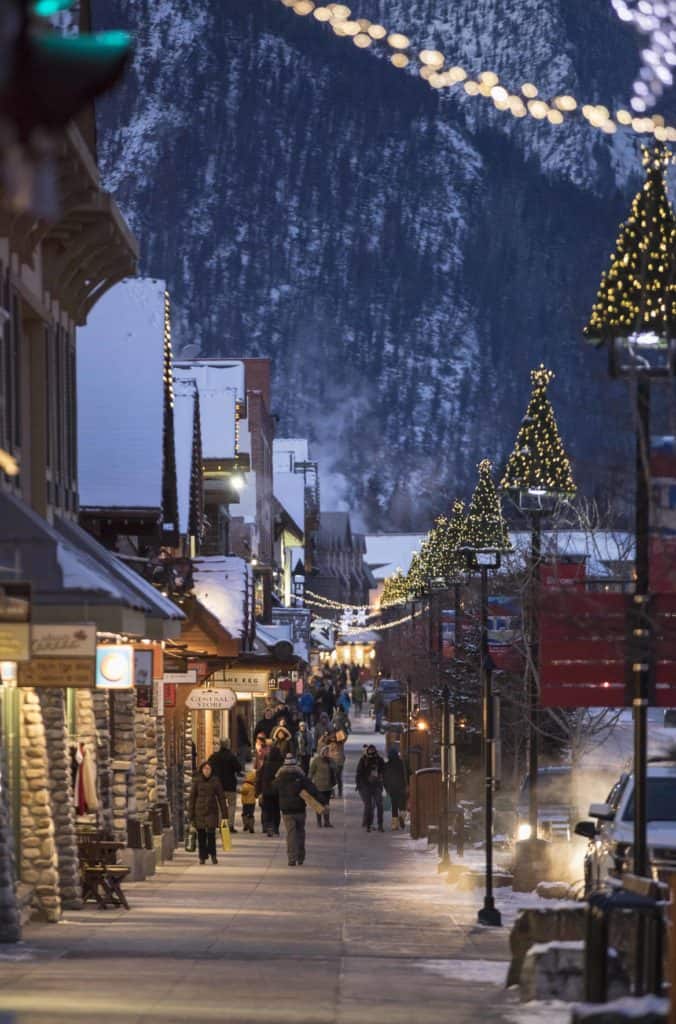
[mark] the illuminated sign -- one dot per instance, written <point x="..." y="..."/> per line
<point x="114" y="667"/>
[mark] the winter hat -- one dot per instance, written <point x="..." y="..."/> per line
<point x="290" y="759"/>
<point x="225" y="743"/>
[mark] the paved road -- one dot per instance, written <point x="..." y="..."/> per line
<point x="364" y="931"/>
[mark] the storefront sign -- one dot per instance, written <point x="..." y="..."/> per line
<point x="77" y="673"/>
<point x="251" y="681"/>
<point x="60" y="641"/>
<point x="180" y="677"/>
<point x="211" y="700"/>
<point x="114" y="667"/>
<point x="158" y="697"/>
<point x="15" y="601"/>
<point x="143" y="667"/>
<point x="15" y="638"/>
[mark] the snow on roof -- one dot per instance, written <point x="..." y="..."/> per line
<point x="120" y="395"/>
<point x="387" y="552"/>
<point x="219" y="389"/>
<point x="223" y="586"/>
<point x="184" y="421"/>
<point x="289" y="490"/>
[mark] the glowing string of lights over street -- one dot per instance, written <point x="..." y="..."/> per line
<point x="527" y="101"/>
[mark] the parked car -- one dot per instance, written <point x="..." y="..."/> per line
<point x="611" y="833"/>
<point x="556" y="808"/>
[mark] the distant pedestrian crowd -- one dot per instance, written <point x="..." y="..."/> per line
<point x="297" y="763"/>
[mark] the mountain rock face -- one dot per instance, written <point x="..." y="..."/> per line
<point x="404" y="256"/>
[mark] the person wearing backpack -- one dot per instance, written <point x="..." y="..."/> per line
<point x="370" y="773"/>
<point x="324" y="776"/>
<point x="289" y="782"/>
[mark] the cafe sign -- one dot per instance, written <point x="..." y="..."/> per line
<point x="210" y="700"/>
<point x="42" y="673"/>
<point x="61" y="641"/>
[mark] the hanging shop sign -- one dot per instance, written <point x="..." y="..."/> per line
<point x="114" y="667"/>
<point x="158" y="698"/>
<point x="211" y="700"/>
<point x="75" y="673"/>
<point x="242" y="680"/>
<point x="15" y="641"/>
<point x="180" y="677"/>
<point x="62" y="641"/>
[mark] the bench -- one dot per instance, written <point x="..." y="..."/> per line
<point x="102" y="877"/>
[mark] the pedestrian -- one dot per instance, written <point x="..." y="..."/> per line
<point x="323" y="774"/>
<point x="337" y="755"/>
<point x="281" y="737"/>
<point x="370" y="786"/>
<point x="378" y="702"/>
<point x="358" y="696"/>
<point x="260" y="749"/>
<point x="341" y="722"/>
<point x="206" y="809"/>
<point x="226" y="767"/>
<point x="289" y="782"/>
<point x="304" y="746"/>
<point x="322" y="730"/>
<point x="306" y="706"/>
<point x="265" y="789"/>
<point x="395" y="780"/>
<point x="266" y="724"/>
<point x="344" y="702"/>
<point x="248" y="795"/>
<point x="354" y="673"/>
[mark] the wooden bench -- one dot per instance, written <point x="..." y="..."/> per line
<point x="101" y="876"/>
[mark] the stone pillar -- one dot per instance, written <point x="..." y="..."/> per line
<point x="161" y="771"/>
<point x="151" y="766"/>
<point x="10" y="926"/>
<point x="101" y="705"/>
<point x="141" y="719"/>
<point x="53" y="705"/>
<point x="39" y="864"/>
<point x="123" y="707"/>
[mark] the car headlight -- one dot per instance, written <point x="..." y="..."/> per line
<point x="524" y="831"/>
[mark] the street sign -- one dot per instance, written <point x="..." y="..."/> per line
<point x="211" y="700"/>
<point x="77" y="673"/>
<point x="63" y="641"/>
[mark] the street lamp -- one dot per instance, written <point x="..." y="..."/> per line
<point x="538" y="475"/>
<point x="483" y="542"/>
<point x="635" y="318"/>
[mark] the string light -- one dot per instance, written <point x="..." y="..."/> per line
<point x="555" y="111"/>
<point x="539" y="462"/>
<point x="631" y="301"/>
<point x="383" y="626"/>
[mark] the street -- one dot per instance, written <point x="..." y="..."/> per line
<point x="359" y="932"/>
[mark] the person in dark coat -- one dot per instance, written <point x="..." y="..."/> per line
<point x="288" y="783"/>
<point x="282" y="738"/>
<point x="206" y="809"/>
<point x="370" y="786"/>
<point x="266" y="724"/>
<point x="323" y="774"/>
<point x="395" y="780"/>
<point x="226" y="767"/>
<point x="265" y="777"/>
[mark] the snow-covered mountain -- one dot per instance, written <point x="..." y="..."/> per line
<point x="404" y="256"/>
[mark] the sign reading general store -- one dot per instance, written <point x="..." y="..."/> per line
<point x="210" y="700"/>
<point x="61" y="641"/>
<point x="47" y="672"/>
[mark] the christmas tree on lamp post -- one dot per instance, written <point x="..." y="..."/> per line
<point x="538" y="475"/>
<point x="634" y="316"/>
<point x="484" y="541"/>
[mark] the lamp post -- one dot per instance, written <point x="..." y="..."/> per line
<point x="538" y="475"/>
<point x="483" y="541"/>
<point x="635" y="318"/>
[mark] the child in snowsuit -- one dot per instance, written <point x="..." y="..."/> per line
<point x="248" y="794"/>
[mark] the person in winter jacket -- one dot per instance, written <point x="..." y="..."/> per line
<point x="282" y="738"/>
<point x="358" y="694"/>
<point x="266" y="724"/>
<point x="206" y="809"/>
<point x="395" y="780"/>
<point x="226" y="766"/>
<point x="265" y="789"/>
<point x="260" y="750"/>
<point x="378" y="702"/>
<point x="289" y="781"/>
<point x="323" y="774"/>
<point x="341" y="721"/>
<point x="337" y="755"/>
<point x="306" y="706"/>
<point x="344" y="702"/>
<point x="304" y="741"/>
<point x="369" y="781"/>
<point x="248" y="795"/>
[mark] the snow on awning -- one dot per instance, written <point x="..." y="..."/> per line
<point x="225" y="587"/>
<point x="120" y="395"/>
<point x="184" y="421"/>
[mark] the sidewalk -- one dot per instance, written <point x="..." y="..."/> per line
<point x="364" y="931"/>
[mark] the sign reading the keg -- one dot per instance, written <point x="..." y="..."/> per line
<point x="211" y="700"/>
<point x="242" y="680"/>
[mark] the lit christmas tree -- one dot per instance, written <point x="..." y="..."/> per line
<point x="416" y="579"/>
<point x="485" y="529"/>
<point x="395" y="590"/>
<point x="447" y="564"/>
<point x="539" y="463"/>
<point x="637" y="295"/>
